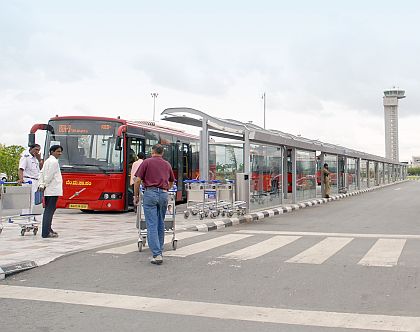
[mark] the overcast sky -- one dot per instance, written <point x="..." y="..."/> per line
<point x="322" y="64"/>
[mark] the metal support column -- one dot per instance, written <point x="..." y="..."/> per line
<point x="321" y="176"/>
<point x="204" y="151"/>
<point x="368" y="174"/>
<point x="247" y="153"/>
<point x="293" y="157"/>
<point x="247" y="165"/>
<point x="346" y="170"/>
<point x="358" y="172"/>
<point x="285" y="174"/>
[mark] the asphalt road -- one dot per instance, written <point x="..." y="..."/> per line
<point x="350" y="264"/>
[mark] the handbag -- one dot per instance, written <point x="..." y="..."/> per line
<point x="38" y="197"/>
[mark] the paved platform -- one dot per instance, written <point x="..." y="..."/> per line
<point x="80" y="231"/>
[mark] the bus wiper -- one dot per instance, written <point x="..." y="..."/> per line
<point x="93" y="165"/>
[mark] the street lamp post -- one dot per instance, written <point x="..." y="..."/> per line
<point x="263" y="98"/>
<point x="154" y="96"/>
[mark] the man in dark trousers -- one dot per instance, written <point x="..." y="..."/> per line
<point x="51" y="183"/>
<point x="157" y="177"/>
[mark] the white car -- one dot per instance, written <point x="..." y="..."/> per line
<point x="3" y="176"/>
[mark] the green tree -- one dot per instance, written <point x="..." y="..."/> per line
<point x="9" y="160"/>
<point x="413" y="171"/>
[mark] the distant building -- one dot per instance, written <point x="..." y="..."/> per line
<point x="391" y="122"/>
<point x="415" y="162"/>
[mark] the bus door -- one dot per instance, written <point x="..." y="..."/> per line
<point x="134" y="146"/>
<point x="184" y="168"/>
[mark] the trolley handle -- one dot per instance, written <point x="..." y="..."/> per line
<point x="15" y="182"/>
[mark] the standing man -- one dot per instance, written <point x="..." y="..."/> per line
<point x="141" y="156"/>
<point x="325" y="173"/>
<point x="51" y="182"/>
<point x="157" y="178"/>
<point x="30" y="165"/>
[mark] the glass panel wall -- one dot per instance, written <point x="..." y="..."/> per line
<point x="331" y="160"/>
<point x="391" y="173"/>
<point x="386" y="173"/>
<point x="351" y="174"/>
<point x="305" y="175"/>
<point x="363" y="174"/>
<point x="380" y="173"/>
<point x="225" y="160"/>
<point x="266" y="176"/>
<point x="398" y="173"/>
<point x="371" y="173"/>
<point x="341" y="174"/>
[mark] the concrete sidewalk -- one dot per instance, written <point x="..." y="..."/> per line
<point x="80" y="231"/>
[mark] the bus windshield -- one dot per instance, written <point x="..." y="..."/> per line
<point x="89" y="145"/>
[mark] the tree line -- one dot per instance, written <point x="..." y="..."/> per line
<point x="9" y="160"/>
<point x="413" y="171"/>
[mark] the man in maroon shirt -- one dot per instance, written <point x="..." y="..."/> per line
<point x="157" y="178"/>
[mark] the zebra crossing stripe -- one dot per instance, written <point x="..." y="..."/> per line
<point x="122" y="250"/>
<point x="356" y="235"/>
<point x="206" y="245"/>
<point x="223" y="311"/>
<point x="385" y="252"/>
<point x="261" y="248"/>
<point x="320" y="252"/>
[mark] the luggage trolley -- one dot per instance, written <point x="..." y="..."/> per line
<point x="169" y="220"/>
<point x="226" y="202"/>
<point x="14" y="198"/>
<point x="195" y="198"/>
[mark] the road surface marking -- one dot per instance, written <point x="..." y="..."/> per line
<point x="321" y="251"/>
<point x="122" y="250"/>
<point x="215" y="310"/>
<point x="356" y="235"/>
<point x="261" y="248"/>
<point x="397" y="189"/>
<point x="206" y="245"/>
<point x="385" y="252"/>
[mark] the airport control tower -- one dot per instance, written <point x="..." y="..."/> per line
<point x="391" y="122"/>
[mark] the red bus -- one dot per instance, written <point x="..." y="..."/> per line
<point x="98" y="153"/>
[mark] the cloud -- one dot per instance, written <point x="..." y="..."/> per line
<point x="185" y="72"/>
<point x="31" y="53"/>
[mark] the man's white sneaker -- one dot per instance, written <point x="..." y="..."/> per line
<point x="157" y="260"/>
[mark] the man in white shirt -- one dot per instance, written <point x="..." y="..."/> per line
<point x="51" y="182"/>
<point x="30" y="165"/>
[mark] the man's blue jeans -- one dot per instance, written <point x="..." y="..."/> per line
<point x="155" y="203"/>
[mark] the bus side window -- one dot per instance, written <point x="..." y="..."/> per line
<point x="151" y="139"/>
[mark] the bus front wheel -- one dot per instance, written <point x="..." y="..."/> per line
<point x="87" y="211"/>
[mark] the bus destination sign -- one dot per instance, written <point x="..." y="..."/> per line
<point x="85" y="128"/>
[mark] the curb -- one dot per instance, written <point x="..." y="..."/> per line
<point x="259" y="215"/>
<point x="8" y="269"/>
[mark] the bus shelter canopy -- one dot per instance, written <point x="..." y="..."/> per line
<point x="254" y="133"/>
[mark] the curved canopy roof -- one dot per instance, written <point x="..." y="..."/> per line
<point x="193" y="117"/>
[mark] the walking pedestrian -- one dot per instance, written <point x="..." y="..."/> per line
<point x="51" y="182"/>
<point x="30" y="165"/>
<point x="325" y="172"/>
<point x="157" y="177"/>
